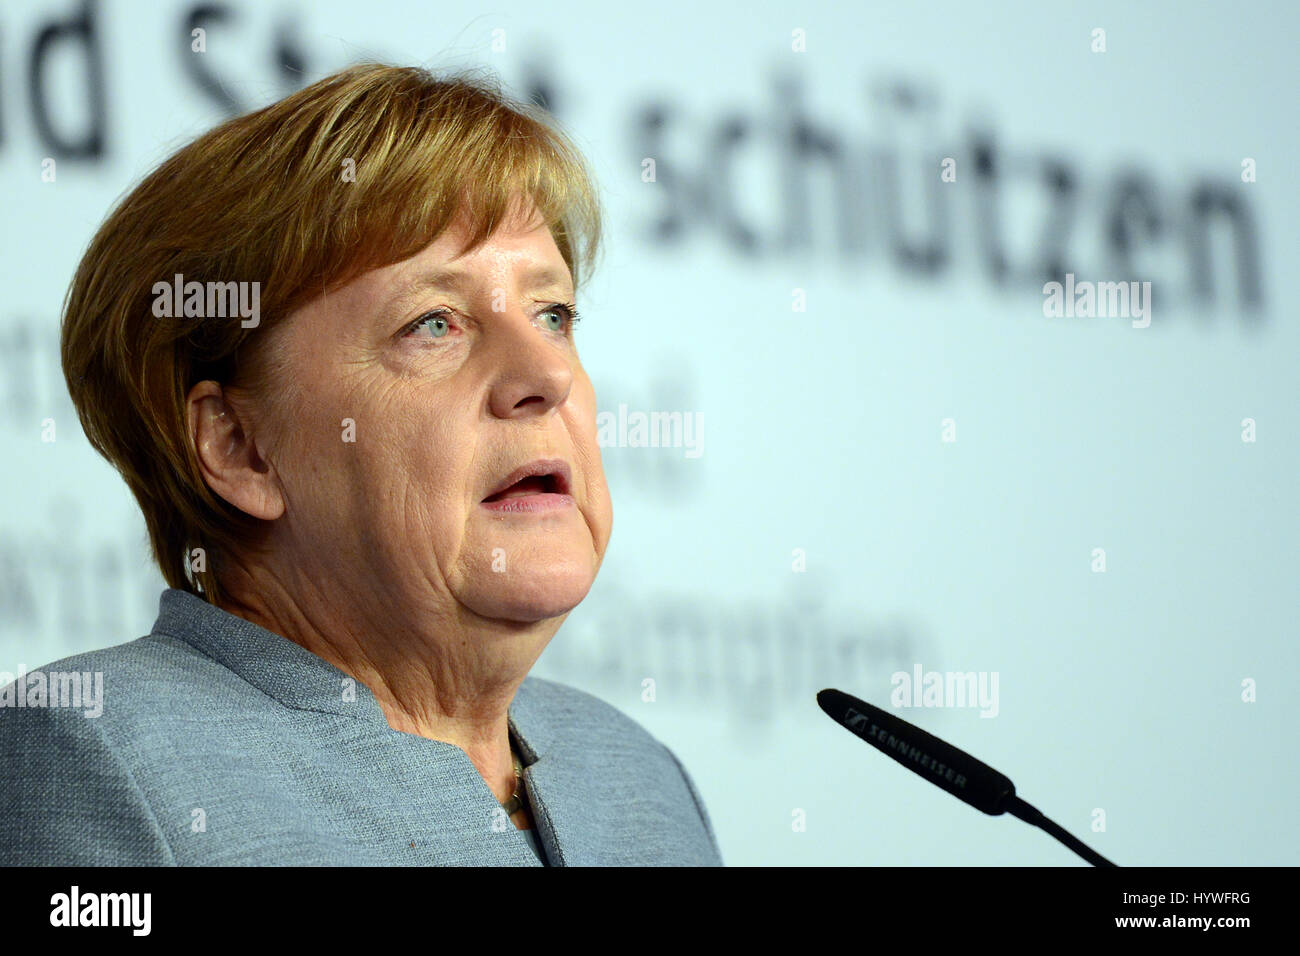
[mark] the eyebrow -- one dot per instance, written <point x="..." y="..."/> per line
<point x="454" y="280"/>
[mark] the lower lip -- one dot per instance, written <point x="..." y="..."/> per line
<point x="529" y="504"/>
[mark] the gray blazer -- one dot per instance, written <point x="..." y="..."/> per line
<point x="221" y="743"/>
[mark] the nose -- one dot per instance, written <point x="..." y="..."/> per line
<point x="533" y="370"/>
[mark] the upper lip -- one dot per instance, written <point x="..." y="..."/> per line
<point x="557" y="467"/>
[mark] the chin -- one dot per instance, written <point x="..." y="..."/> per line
<point x="531" y="596"/>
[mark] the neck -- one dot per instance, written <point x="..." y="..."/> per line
<point x="446" y="676"/>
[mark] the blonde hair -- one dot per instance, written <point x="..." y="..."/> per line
<point x="357" y="171"/>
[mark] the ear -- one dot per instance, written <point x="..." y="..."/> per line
<point x="228" y="455"/>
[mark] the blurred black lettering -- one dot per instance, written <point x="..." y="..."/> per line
<point x="1213" y="200"/>
<point x="78" y="34"/>
<point x="202" y="17"/>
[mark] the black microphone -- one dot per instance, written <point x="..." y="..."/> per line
<point x="948" y="768"/>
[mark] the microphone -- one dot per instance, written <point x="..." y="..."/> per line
<point x="948" y="768"/>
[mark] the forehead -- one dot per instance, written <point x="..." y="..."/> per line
<point x="526" y="259"/>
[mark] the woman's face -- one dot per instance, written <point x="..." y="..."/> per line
<point x="396" y="424"/>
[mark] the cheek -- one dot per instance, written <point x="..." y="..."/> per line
<point x="418" y="457"/>
<point x="379" y="458"/>
<point x="586" y="445"/>
<point x="312" y="450"/>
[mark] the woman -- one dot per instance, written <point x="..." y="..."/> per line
<point x="330" y="347"/>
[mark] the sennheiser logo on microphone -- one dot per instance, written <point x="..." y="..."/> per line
<point x="856" y="721"/>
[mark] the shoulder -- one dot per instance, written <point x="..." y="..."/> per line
<point x="68" y="796"/>
<point x="73" y="736"/>
<point x="568" y="713"/>
<point x="129" y="673"/>
<point x="600" y="746"/>
<point x="153" y="679"/>
<point x="567" y="718"/>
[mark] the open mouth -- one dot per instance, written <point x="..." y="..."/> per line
<point x="532" y="485"/>
<point x="545" y="476"/>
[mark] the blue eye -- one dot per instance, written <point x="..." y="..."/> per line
<point x="439" y="326"/>
<point x="569" y="316"/>
<point x="436" y="322"/>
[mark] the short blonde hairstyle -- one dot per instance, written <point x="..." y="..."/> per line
<point x="357" y="171"/>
